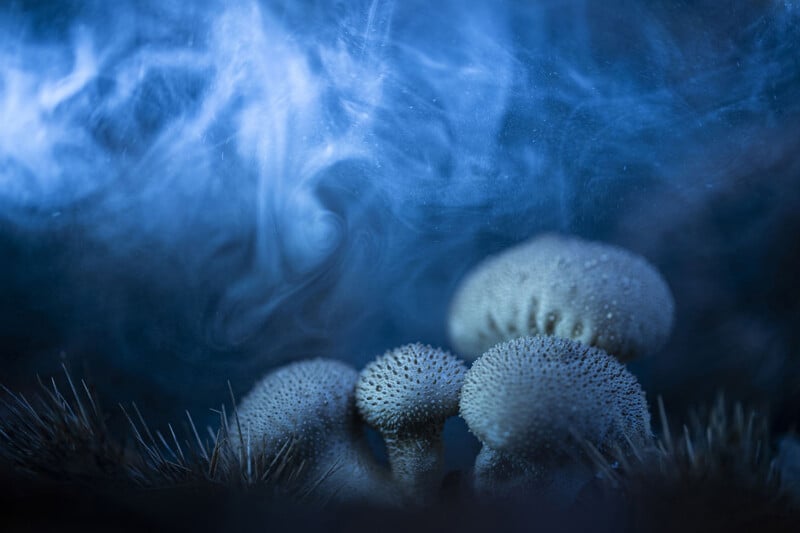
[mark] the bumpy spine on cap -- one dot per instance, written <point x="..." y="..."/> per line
<point x="305" y="401"/>
<point x="407" y="394"/>
<point x="532" y="394"/>
<point x="312" y="404"/>
<point x="598" y="294"/>
<point x="535" y="400"/>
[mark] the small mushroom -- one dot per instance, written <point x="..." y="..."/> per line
<point x="407" y="394"/>
<point x="595" y="293"/>
<point x="312" y="405"/>
<point x="534" y="403"/>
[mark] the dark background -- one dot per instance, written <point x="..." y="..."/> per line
<point x="191" y="194"/>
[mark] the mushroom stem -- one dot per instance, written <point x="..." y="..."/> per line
<point x="499" y="474"/>
<point x="417" y="464"/>
<point x="352" y="476"/>
<point x="407" y="394"/>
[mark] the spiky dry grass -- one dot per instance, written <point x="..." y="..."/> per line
<point x="167" y="460"/>
<point x="65" y="438"/>
<point x="717" y="473"/>
<point x="62" y="437"/>
<point x="723" y="440"/>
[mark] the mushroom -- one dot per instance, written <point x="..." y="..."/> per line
<point x="598" y="294"/>
<point x="311" y="405"/>
<point x="534" y="403"/>
<point x="407" y="394"/>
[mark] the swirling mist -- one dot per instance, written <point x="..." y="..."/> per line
<point x="191" y="192"/>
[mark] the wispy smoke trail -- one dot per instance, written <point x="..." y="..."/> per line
<point x="240" y="183"/>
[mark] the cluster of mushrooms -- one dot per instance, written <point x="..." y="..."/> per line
<point x="548" y="325"/>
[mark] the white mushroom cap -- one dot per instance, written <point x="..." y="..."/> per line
<point x="312" y="404"/>
<point x="596" y="293"/>
<point x="410" y="388"/>
<point x="306" y="401"/>
<point x="540" y="396"/>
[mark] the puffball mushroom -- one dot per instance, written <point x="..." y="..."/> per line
<point x="312" y="405"/>
<point x="407" y="394"/>
<point x="596" y="293"/>
<point x="533" y="402"/>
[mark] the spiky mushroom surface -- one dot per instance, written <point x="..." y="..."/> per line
<point x="407" y="394"/>
<point x="311" y="405"/>
<point x="307" y="400"/>
<point x="536" y="401"/>
<point x="598" y="294"/>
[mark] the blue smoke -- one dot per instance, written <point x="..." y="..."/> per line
<point x="205" y="190"/>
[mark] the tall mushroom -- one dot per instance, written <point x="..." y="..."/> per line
<point x="535" y="401"/>
<point x="407" y="394"/>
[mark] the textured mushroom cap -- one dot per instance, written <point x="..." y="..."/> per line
<point x="530" y="395"/>
<point x="410" y="388"/>
<point x="306" y="400"/>
<point x="598" y="294"/>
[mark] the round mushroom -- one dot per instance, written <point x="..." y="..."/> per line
<point x="596" y="293"/>
<point x="407" y="394"/>
<point x="311" y="405"/>
<point x="534" y="403"/>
